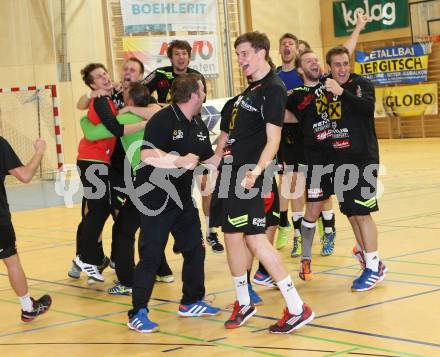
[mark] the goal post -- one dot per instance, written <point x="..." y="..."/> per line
<point x="29" y="112"/>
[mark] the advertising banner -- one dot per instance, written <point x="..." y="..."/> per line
<point x="383" y="15"/>
<point x="152" y="51"/>
<point x="394" y="65"/>
<point x="403" y="101"/>
<point x="168" y="15"/>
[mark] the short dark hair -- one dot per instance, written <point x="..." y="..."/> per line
<point x="183" y="86"/>
<point x="339" y="50"/>
<point x="258" y="41"/>
<point x="138" y="61"/>
<point x="87" y="70"/>
<point x="139" y="94"/>
<point x="181" y="45"/>
<point x="305" y="43"/>
<point x="291" y="36"/>
<point x="298" y="58"/>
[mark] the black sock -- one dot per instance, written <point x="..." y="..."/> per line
<point x="284" y="222"/>
<point x="248" y="272"/>
<point x="262" y="269"/>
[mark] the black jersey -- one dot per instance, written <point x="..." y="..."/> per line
<point x="263" y="102"/>
<point x="354" y="137"/>
<point x="8" y="161"/>
<point x="161" y="79"/>
<point x="170" y="131"/>
<point x="310" y="106"/>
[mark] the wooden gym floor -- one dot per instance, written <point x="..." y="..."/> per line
<point x="400" y="317"/>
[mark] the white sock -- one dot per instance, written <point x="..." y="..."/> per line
<point x="293" y="301"/>
<point x="26" y="303"/>
<point x="241" y="289"/>
<point x="327" y="215"/>
<point x="372" y="260"/>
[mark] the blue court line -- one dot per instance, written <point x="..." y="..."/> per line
<point x="173" y="349"/>
<point x="418" y="342"/>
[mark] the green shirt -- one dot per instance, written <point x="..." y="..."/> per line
<point x="95" y="132"/>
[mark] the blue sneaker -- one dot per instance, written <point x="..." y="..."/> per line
<point x="141" y="323"/>
<point x="199" y="308"/>
<point x="368" y="279"/>
<point x="383" y="270"/>
<point x="263" y="279"/>
<point x="328" y="244"/>
<point x="255" y="298"/>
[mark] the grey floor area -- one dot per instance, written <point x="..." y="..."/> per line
<point x="43" y="194"/>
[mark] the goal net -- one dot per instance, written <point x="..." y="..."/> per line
<point x="27" y="113"/>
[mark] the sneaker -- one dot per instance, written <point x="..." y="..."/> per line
<point x="199" y="308"/>
<point x="255" y="298"/>
<point x="297" y="247"/>
<point x="283" y="236"/>
<point x="305" y="270"/>
<point x="119" y="289"/>
<point x="105" y="263"/>
<point x="74" y="272"/>
<point x="165" y="278"/>
<point x="360" y="256"/>
<point x="240" y="315"/>
<point x="369" y="279"/>
<point x="261" y="278"/>
<point x="90" y="269"/>
<point x="40" y="307"/>
<point x="213" y="241"/>
<point x="328" y="244"/>
<point x="290" y="322"/>
<point x="141" y="323"/>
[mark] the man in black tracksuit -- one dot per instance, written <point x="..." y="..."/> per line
<point x="356" y="155"/>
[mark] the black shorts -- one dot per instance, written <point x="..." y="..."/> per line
<point x="117" y="180"/>
<point x="358" y="197"/>
<point x="243" y="211"/>
<point x="319" y="182"/>
<point x="7" y="241"/>
<point x="291" y="151"/>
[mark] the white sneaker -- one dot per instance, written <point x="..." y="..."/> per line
<point x="91" y="270"/>
<point x="74" y="272"/>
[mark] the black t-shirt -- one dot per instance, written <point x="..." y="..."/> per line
<point x="263" y="102"/>
<point x="8" y="161"/>
<point x="161" y="79"/>
<point x="170" y="131"/>
<point x="354" y="137"/>
<point x="311" y="107"/>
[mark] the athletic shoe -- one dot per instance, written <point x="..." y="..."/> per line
<point x="255" y="298"/>
<point x="213" y="241"/>
<point x="360" y="256"/>
<point x="328" y="244"/>
<point x="283" y="236"/>
<point x="240" y="315"/>
<point x="119" y="289"/>
<point x="297" y="247"/>
<point x="369" y="279"/>
<point x="305" y="270"/>
<point x="261" y="278"/>
<point x="290" y="322"/>
<point x="40" y="306"/>
<point x="104" y="264"/>
<point x="165" y="278"/>
<point x="74" y="272"/>
<point x="199" y="308"/>
<point x="141" y="323"/>
<point x="91" y="270"/>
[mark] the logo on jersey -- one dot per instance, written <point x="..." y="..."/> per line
<point x="201" y="137"/>
<point x="177" y="134"/>
<point x="335" y="110"/>
<point x="246" y="104"/>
